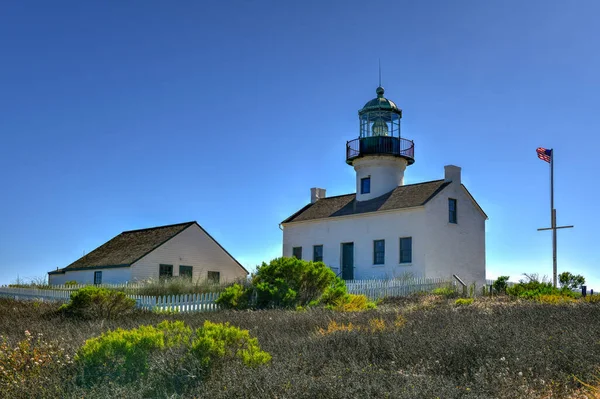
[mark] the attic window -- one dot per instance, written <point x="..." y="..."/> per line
<point x="365" y="185"/>
<point x="452" y="218"/>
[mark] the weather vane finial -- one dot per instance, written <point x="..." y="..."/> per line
<point x="380" y="72"/>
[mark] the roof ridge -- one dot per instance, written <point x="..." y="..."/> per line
<point x="404" y="185"/>
<point x="159" y="227"/>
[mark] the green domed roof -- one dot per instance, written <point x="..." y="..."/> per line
<point x="380" y="103"/>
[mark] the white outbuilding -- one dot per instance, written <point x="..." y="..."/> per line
<point x="387" y="229"/>
<point x="182" y="250"/>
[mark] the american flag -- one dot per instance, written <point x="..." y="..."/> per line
<point x="544" y="154"/>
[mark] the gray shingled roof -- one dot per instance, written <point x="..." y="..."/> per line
<point x="127" y="248"/>
<point x="402" y="197"/>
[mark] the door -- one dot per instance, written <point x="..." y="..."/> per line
<point x="348" y="261"/>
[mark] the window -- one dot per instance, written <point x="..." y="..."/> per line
<point x="97" y="278"/>
<point x="318" y="253"/>
<point x="452" y="210"/>
<point x="165" y="271"/>
<point x="406" y="250"/>
<point x="214" y="277"/>
<point x="297" y="252"/>
<point x="378" y="252"/>
<point x="365" y="185"/>
<point x="186" y="271"/>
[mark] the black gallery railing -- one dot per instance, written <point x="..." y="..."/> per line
<point x="380" y="145"/>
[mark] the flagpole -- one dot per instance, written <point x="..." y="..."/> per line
<point x="553" y="217"/>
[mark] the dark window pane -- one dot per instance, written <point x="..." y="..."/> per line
<point x="214" y="277"/>
<point x="318" y="253"/>
<point x="297" y="252"/>
<point x="452" y="218"/>
<point x="97" y="278"/>
<point x="186" y="271"/>
<point x="365" y="185"/>
<point x="379" y="252"/>
<point x="165" y="271"/>
<point x="406" y="250"/>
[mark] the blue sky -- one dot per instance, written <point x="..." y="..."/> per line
<point x="124" y="115"/>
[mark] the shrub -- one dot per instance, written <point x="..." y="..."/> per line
<point x="533" y="289"/>
<point x="592" y="299"/>
<point x="217" y="341"/>
<point x="125" y="355"/>
<point x="71" y="283"/>
<point x="501" y="284"/>
<point x="335" y="293"/>
<point x="463" y="301"/>
<point x="555" y="299"/>
<point x="121" y="355"/>
<point x="235" y="296"/>
<point x="570" y="281"/>
<point x="447" y="292"/>
<point x="353" y="303"/>
<point x="29" y="358"/>
<point x="95" y="302"/>
<point x="291" y="282"/>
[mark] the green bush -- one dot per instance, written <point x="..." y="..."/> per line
<point x="71" y="283"/>
<point x="235" y="296"/>
<point x="121" y="355"/>
<point x="463" y="301"/>
<point x="125" y="355"/>
<point x="533" y="289"/>
<point x="291" y="282"/>
<point x="335" y="293"/>
<point x="95" y="302"/>
<point x="501" y="284"/>
<point x="217" y="341"/>
<point x="353" y="303"/>
<point x="571" y="281"/>
<point x="447" y="292"/>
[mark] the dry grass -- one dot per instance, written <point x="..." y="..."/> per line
<point x="421" y="347"/>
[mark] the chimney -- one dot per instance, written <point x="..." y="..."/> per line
<point x="452" y="173"/>
<point x="316" y="194"/>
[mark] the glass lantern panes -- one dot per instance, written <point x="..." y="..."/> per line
<point x="379" y="123"/>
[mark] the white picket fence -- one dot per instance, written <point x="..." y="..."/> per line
<point x="179" y="303"/>
<point x="172" y="303"/>
<point x="373" y="289"/>
<point x="376" y="289"/>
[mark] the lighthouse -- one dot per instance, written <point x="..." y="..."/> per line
<point x="380" y="154"/>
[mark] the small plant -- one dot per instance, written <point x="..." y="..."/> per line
<point x="501" y="284"/>
<point x="353" y="303"/>
<point x="463" y="301"/>
<point x="95" y="302"/>
<point x="555" y="299"/>
<point x="570" y="281"/>
<point x="446" y="292"/>
<point x="29" y="358"/>
<point x="70" y="283"/>
<point x="333" y="327"/>
<point x="592" y="299"/>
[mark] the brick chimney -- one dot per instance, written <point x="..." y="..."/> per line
<point x="452" y="173"/>
<point x="316" y="194"/>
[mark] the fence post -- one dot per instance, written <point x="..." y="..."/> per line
<point x="583" y="290"/>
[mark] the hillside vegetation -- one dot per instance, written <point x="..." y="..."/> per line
<point x="426" y="346"/>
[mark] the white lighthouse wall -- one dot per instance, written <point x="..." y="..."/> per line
<point x="386" y="174"/>
<point x="457" y="248"/>
<point x="362" y="230"/>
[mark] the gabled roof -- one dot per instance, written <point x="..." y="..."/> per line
<point x="130" y="246"/>
<point x="407" y="196"/>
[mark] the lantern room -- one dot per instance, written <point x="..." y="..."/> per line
<point x="380" y="131"/>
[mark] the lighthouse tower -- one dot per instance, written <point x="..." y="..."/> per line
<point x="379" y="155"/>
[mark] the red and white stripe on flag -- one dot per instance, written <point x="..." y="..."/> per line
<point x="544" y="154"/>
